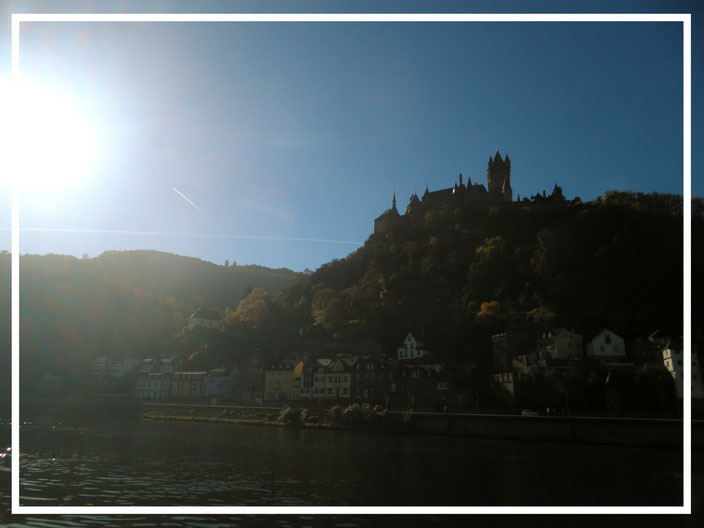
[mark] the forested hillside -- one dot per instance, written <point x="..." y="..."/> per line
<point x="455" y="276"/>
<point x="452" y="276"/>
<point x="124" y="303"/>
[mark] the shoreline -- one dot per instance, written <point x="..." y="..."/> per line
<point x="635" y="432"/>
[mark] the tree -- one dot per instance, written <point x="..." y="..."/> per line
<point x="329" y="309"/>
<point x="254" y="312"/>
<point x="489" y="271"/>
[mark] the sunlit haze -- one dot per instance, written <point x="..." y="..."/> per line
<point x="50" y="143"/>
<point x="279" y="143"/>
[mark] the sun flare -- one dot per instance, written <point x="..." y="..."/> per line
<point x="50" y="141"/>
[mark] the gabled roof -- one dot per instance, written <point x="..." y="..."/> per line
<point x="605" y="330"/>
<point x="206" y="313"/>
<point x="220" y="371"/>
<point x="418" y="341"/>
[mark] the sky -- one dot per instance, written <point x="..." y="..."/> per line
<point x="279" y="143"/>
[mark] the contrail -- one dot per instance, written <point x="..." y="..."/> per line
<point x="189" y="201"/>
<point x="186" y="235"/>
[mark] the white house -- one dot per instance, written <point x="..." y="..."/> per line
<point x="411" y="349"/>
<point x="672" y="356"/>
<point x="204" y="318"/>
<point x="166" y="365"/>
<point x="607" y="347"/>
<point x="559" y="343"/>
<point x="153" y="386"/>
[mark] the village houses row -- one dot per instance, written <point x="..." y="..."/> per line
<point x="411" y="378"/>
<point x="561" y="348"/>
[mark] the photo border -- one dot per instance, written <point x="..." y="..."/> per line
<point x="686" y="508"/>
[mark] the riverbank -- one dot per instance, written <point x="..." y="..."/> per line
<point x="606" y="431"/>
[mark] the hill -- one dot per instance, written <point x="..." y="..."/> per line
<point x="125" y="303"/>
<point x="456" y="275"/>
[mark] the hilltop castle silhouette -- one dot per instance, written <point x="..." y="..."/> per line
<point x="498" y="175"/>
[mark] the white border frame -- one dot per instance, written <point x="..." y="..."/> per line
<point x="686" y="508"/>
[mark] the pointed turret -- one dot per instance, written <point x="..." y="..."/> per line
<point x="393" y="203"/>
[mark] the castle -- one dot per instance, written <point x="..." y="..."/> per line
<point x="498" y="175"/>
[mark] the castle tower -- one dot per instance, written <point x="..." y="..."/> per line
<point x="498" y="175"/>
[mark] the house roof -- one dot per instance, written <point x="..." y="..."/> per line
<point x="220" y="371"/>
<point x="602" y="331"/>
<point x="206" y="313"/>
<point x="418" y="341"/>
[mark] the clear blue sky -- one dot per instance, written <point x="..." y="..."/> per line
<point x="302" y="132"/>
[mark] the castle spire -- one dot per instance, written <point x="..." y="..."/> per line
<point x="393" y="202"/>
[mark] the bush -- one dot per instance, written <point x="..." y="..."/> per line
<point x="336" y="414"/>
<point x="290" y="417"/>
<point x="354" y="414"/>
<point x="380" y="413"/>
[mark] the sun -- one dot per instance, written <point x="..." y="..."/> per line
<point x="49" y="140"/>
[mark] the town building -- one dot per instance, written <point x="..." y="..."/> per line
<point x="557" y="344"/>
<point x="673" y="357"/>
<point x="424" y="386"/>
<point x="204" y="318"/>
<point x="187" y="385"/>
<point x="279" y="380"/>
<point x="370" y="379"/>
<point x="501" y="353"/>
<point x="219" y="384"/>
<point x="411" y="349"/>
<point x="153" y="386"/>
<point x="252" y="381"/>
<point x="106" y="371"/>
<point x="166" y="365"/>
<point x="332" y="379"/>
<point x="608" y="348"/>
<point x="648" y="350"/>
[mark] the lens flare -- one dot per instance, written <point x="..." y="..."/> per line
<point x="48" y="141"/>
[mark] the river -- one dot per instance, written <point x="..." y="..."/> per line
<point x="120" y="460"/>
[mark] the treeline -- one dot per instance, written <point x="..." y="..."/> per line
<point x="121" y="303"/>
<point x="452" y="276"/>
<point x="457" y="275"/>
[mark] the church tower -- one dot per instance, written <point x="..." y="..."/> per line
<point x="498" y="175"/>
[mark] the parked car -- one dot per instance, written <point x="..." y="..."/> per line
<point x="529" y="412"/>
